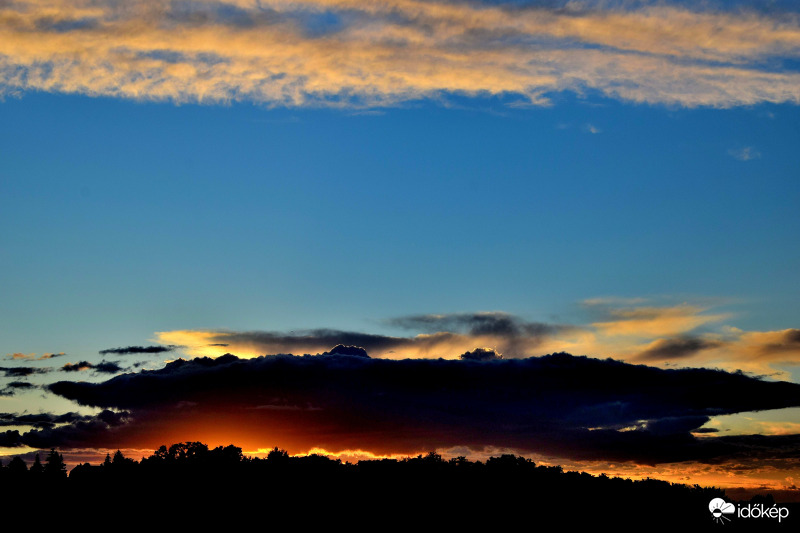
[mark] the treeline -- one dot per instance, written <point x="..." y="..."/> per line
<point x="54" y="469"/>
<point x="454" y="491"/>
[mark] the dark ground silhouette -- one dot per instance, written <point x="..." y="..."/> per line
<point x="190" y="483"/>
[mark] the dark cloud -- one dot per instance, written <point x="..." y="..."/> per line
<point x="22" y="371"/>
<point x="676" y="424"/>
<point x="77" y="367"/>
<point x="104" y="367"/>
<point x="481" y="354"/>
<point x="138" y="350"/>
<point x="41" y="420"/>
<point x="341" y="349"/>
<point x="518" y="335"/>
<point x="490" y="323"/>
<point x="10" y="439"/>
<point x="78" y="432"/>
<point x="14" y="386"/>
<point x="676" y="348"/>
<point x="21" y="385"/>
<point x="51" y="430"/>
<point x="108" y="367"/>
<point x="559" y="404"/>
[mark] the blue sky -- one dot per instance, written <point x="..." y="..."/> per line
<point x="125" y="218"/>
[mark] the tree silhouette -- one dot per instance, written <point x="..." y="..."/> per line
<point x="277" y="456"/>
<point x="37" y="469"/>
<point x="17" y="466"/>
<point x="55" y="467"/>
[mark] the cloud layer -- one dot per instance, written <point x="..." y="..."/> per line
<point x="559" y="405"/>
<point x="354" y="53"/>
<point x="437" y="335"/>
<point x="641" y="331"/>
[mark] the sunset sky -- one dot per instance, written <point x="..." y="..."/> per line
<point x="420" y="178"/>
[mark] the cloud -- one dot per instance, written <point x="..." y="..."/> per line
<point x="108" y="367"/>
<point x="104" y="367"/>
<point x="745" y="153"/>
<point x="33" y="356"/>
<point x="15" y="386"/>
<point x="481" y="354"/>
<point x="341" y="349"/>
<point x="665" y="349"/>
<point x="77" y="367"/>
<point x="590" y="128"/>
<point x="633" y="329"/>
<point x="438" y="335"/>
<point x="646" y="321"/>
<point x="494" y="323"/>
<point x="71" y="429"/>
<point x="41" y="420"/>
<point x="561" y="405"/>
<point x="354" y="53"/>
<point x="138" y="350"/>
<point x="22" y="371"/>
<point x="10" y="439"/>
<point x="254" y="343"/>
<point x="18" y="355"/>
<point x="781" y="342"/>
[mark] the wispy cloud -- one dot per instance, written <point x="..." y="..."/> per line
<point x="675" y="349"/>
<point x="33" y="356"/>
<point x="649" y="321"/>
<point x="355" y="53"/>
<point x="745" y="153"/>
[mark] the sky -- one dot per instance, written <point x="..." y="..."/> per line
<point x="481" y="182"/>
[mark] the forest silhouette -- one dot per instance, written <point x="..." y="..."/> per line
<point x="506" y="490"/>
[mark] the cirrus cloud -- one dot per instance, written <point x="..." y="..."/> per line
<point x="353" y="53"/>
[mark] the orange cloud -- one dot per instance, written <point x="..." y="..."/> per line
<point x="633" y="330"/>
<point x="655" y="321"/>
<point x="445" y="345"/>
<point x="379" y="53"/>
<point x="33" y="356"/>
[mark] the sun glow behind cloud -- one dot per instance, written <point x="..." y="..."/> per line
<point x="639" y="331"/>
<point x="348" y="53"/>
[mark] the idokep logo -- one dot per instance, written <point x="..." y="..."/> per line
<point x="719" y="508"/>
